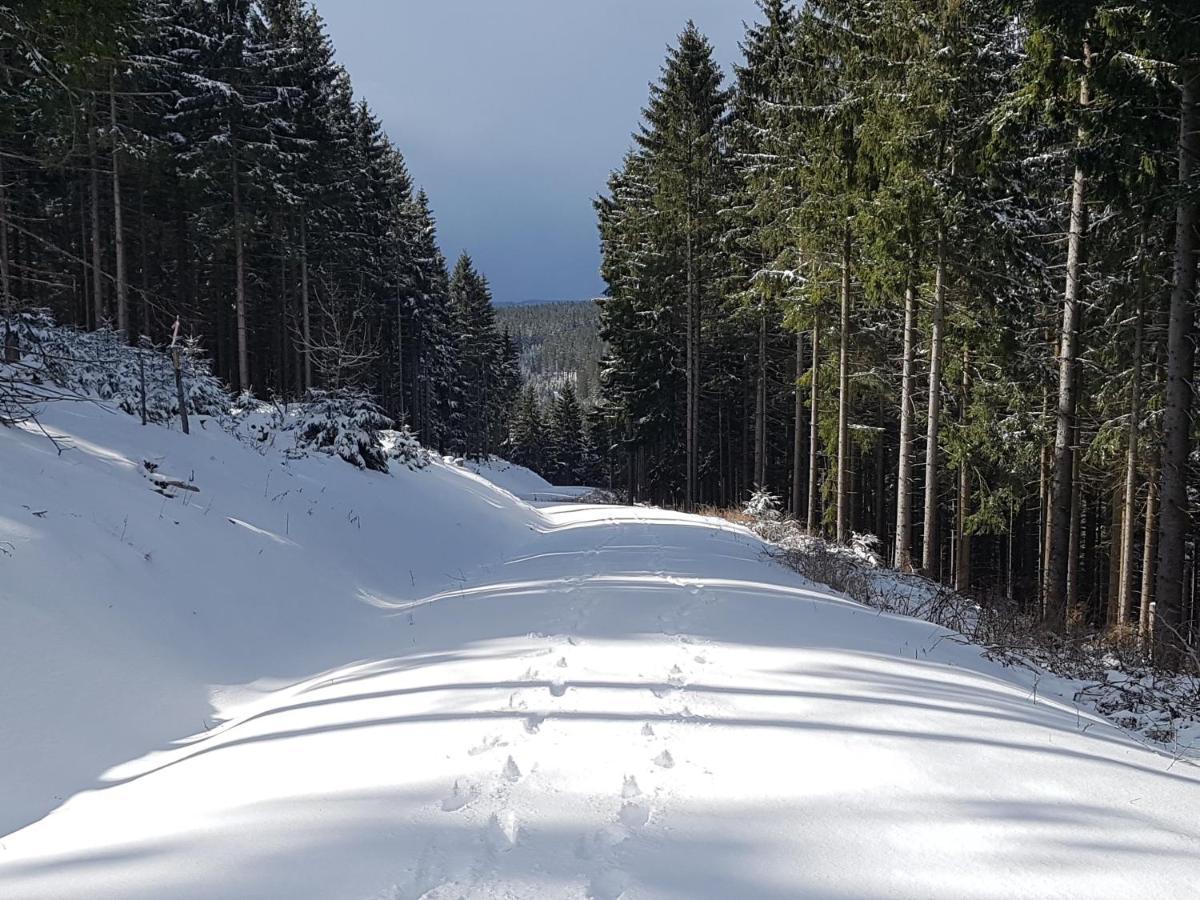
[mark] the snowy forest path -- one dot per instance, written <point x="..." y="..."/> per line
<point x="635" y="703"/>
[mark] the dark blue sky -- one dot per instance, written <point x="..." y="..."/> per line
<point x="511" y="114"/>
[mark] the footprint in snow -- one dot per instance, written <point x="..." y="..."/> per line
<point x="647" y="730"/>
<point x="533" y="723"/>
<point x="633" y="815"/>
<point x="512" y="771"/>
<point x="630" y="789"/>
<point x="562" y="662"/>
<point x="596" y="844"/>
<point x="558" y="687"/>
<point x="610" y="884"/>
<point x="460" y="796"/>
<point x="488" y="743"/>
<point x="665" y="760"/>
<point x="503" y="831"/>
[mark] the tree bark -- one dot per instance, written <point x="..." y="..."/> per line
<point x="903" y="555"/>
<point x="760" y="406"/>
<point x="11" y="352"/>
<point x="931" y="549"/>
<point x="814" y="430"/>
<point x="1149" y="553"/>
<point x="97" y="275"/>
<point x="243" y="353"/>
<point x="692" y="363"/>
<point x="1073" y="542"/>
<point x="1174" y="518"/>
<point x="118" y="220"/>
<point x="798" y="444"/>
<point x="401" y="405"/>
<point x="305" y="308"/>
<point x="1129" y="497"/>
<point x="1058" y="554"/>
<point x="962" y="561"/>
<point x="843" y="451"/>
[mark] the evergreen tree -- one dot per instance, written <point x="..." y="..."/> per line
<point x="566" y="438"/>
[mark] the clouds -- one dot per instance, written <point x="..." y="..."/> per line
<point x="511" y="114"/>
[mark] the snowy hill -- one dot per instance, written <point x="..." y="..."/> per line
<point x="306" y="680"/>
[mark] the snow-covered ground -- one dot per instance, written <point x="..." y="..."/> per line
<point x="303" y="680"/>
<point x="525" y="483"/>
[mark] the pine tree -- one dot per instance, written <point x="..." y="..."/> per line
<point x="527" y="438"/>
<point x="681" y="140"/>
<point x="566" y="438"/>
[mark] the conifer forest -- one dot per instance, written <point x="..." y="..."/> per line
<point x="927" y="271"/>
<point x="608" y="449"/>
<point x="924" y="270"/>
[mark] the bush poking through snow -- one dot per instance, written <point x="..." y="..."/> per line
<point x="1108" y="676"/>
<point x="403" y="447"/>
<point x="100" y="365"/>
<point x="344" y="423"/>
<point x="763" y="505"/>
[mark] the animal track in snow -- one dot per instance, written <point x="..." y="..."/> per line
<point x="647" y="730"/>
<point x="533" y="723"/>
<point x="558" y="687"/>
<point x="562" y="662"/>
<point x="630" y="788"/>
<point x="665" y="760"/>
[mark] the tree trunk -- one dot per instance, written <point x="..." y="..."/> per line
<point x="931" y="549"/>
<point x="305" y="309"/>
<point x="693" y="315"/>
<point x="97" y="275"/>
<point x="401" y="405"/>
<point x="798" y="444"/>
<point x="243" y="352"/>
<point x="11" y="351"/>
<point x="1129" y="497"/>
<point x="1149" y="553"/>
<point x="1057" y="553"/>
<point x="118" y="222"/>
<point x="814" y="431"/>
<point x="1174" y="520"/>
<point x="903" y="555"/>
<point x="843" y="451"/>
<point x="760" y="407"/>
<point x="962" y="560"/>
<point x="1073" y="543"/>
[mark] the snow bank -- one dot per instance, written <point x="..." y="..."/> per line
<point x="524" y="483"/>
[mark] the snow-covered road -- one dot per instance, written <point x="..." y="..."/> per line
<point x="618" y="702"/>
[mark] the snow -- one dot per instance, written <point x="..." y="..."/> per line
<point x="307" y="680"/>
<point x="524" y="483"/>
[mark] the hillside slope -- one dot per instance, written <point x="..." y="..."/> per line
<point x="304" y="680"/>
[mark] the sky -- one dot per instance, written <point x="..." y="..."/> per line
<point x="512" y="113"/>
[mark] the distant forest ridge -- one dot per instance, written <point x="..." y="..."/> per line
<point x="546" y="302"/>
<point x="557" y="342"/>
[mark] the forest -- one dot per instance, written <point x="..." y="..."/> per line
<point x="927" y="271"/>
<point x="206" y="166"/>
